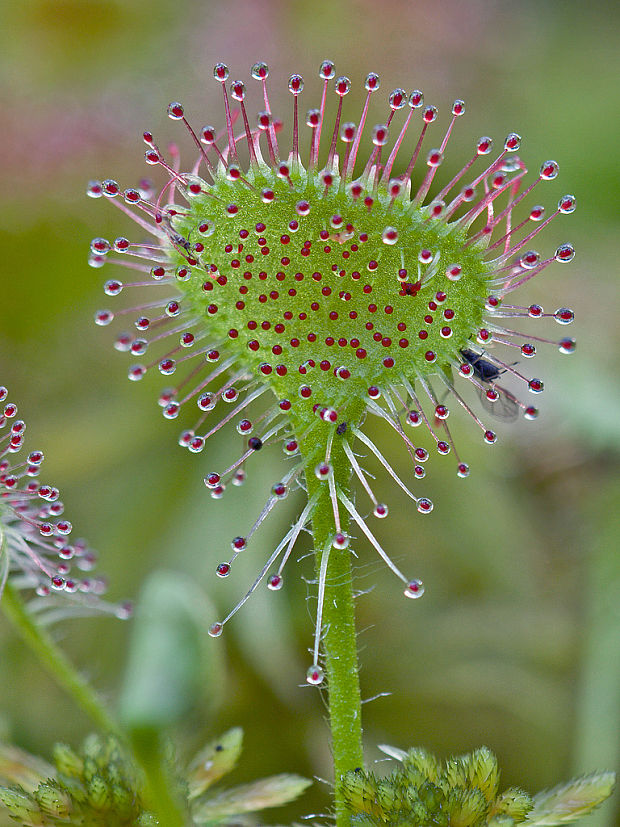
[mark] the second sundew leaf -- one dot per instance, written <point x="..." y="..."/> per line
<point x="273" y="791"/>
<point x="215" y="760"/>
<point x="570" y="801"/>
<point x="20" y="768"/>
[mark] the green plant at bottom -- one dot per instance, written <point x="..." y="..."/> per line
<point x="100" y="786"/>
<point x="462" y="792"/>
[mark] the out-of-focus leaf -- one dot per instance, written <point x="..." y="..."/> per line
<point x="4" y="561"/>
<point x="20" y="768"/>
<point x="169" y="664"/>
<point x="214" y="761"/>
<point x="568" y="802"/>
<point x="247" y="798"/>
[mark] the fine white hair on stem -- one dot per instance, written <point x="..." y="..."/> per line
<point x="369" y="535"/>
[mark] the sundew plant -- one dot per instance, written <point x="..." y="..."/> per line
<point x="290" y="285"/>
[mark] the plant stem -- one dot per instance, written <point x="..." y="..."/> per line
<point x="148" y="750"/>
<point x="54" y="660"/>
<point x="339" y="641"/>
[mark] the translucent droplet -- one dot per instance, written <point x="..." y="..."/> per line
<point x="315" y="675"/>
<point x="549" y="170"/>
<point x="238" y="477"/>
<point x="313" y="116"/>
<point x="208" y="134"/>
<point x="295" y="84"/>
<point x="414" y="418"/>
<point x="244" y="427"/>
<point x="436" y="209"/>
<point x="100" y="246"/>
<point x="389" y="235"/>
<point x="322" y="470"/>
<point x="237" y="90"/>
<point x="167" y="367"/>
<point x="175" y="111"/>
<point x="327" y="70"/>
<point x="121" y="244"/>
<point x="279" y="490"/>
<point x="565" y="253"/>
<point x="103" y="317"/>
<point x="380" y="511"/>
<point x="216" y="629"/>
<point x="567" y="346"/>
<point x="275" y="582"/>
<point x="139" y="347"/>
<point x="263" y="120"/>
<point x="110" y="188"/>
<point x="434" y="158"/>
<point x="171" y="411"/>
<point x="239" y="544"/>
<point x="529" y="260"/>
<point x="425" y="506"/>
<point x="379" y="135"/>
<point x="96" y="261"/>
<point x="94" y="189"/>
<point x="260" y="71"/>
<point x="112" y="287"/>
<point x="136" y="372"/>
<point x="398" y="98"/>
<point x="564" y="315"/>
<point x="372" y="82"/>
<point x="416" y="99"/>
<point x="347" y="132"/>
<point x="512" y="142"/>
<point x="567" y="204"/>
<point x="196" y="444"/>
<point x="124" y="611"/>
<point x="485" y="145"/>
<point x="415" y="589"/>
<point x="342" y="86"/>
<point x="221" y="72"/>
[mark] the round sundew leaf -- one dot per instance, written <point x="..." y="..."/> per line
<point x="335" y="294"/>
<point x="328" y="298"/>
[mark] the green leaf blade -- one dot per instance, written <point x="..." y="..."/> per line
<point x="568" y="802"/>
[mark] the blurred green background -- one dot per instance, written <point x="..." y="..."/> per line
<point x="516" y="643"/>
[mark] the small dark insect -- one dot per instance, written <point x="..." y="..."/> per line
<point x="484" y="369"/>
<point x="180" y="241"/>
<point x="506" y="406"/>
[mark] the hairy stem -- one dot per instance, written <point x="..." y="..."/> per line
<point x="339" y="640"/>
<point x="54" y="659"/>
